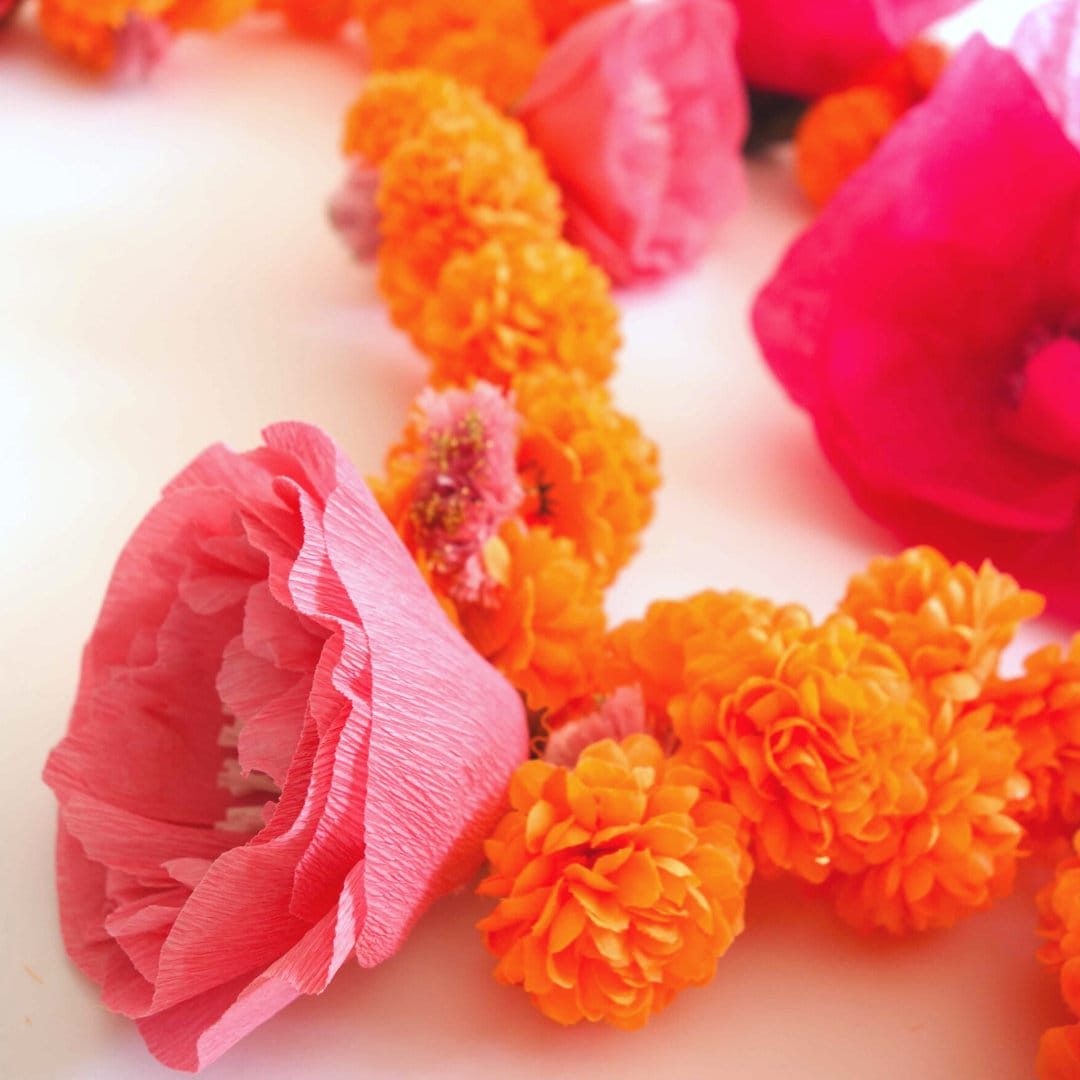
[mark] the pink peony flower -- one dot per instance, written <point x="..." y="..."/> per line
<point x="811" y="47"/>
<point x="929" y="321"/>
<point x="280" y="752"/>
<point x="353" y="210"/>
<point x="640" y="112"/>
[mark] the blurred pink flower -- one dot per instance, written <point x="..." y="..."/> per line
<point x="616" y="717"/>
<point x="353" y="211"/>
<point x="140" y="45"/>
<point x="281" y="751"/>
<point x="640" y="112"/>
<point x="929" y="321"/>
<point x="811" y="47"/>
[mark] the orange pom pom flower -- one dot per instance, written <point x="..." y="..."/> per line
<point x="1042" y="708"/>
<point x="949" y="623"/>
<point x="619" y="884"/>
<point x="507" y="307"/>
<point x="1059" y="923"/>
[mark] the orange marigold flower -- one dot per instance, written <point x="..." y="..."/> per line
<point x="87" y="41"/>
<point x="949" y="623"/>
<point x="461" y="183"/>
<point x="1042" y="707"/>
<point x="841" y="131"/>
<point x="588" y="471"/>
<point x="957" y="852"/>
<point x="813" y="737"/>
<point x="545" y="629"/>
<point x="558" y="16"/>
<point x="206" y="16"/>
<point x="654" y="652"/>
<point x="508" y="307"/>
<point x="1059" y="923"/>
<point x="398" y="105"/>
<point x="838" y="134"/>
<point x="496" y="45"/>
<point x="618" y="883"/>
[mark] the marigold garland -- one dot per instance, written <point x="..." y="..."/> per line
<point x="619" y="884"/>
<point x="1059" y="923"/>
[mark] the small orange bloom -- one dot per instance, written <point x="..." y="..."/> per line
<point x="496" y="45"/>
<point x="462" y="182"/>
<point x="508" y="307"/>
<point x="545" y="628"/>
<point x="1059" y="923"/>
<point x="89" y="42"/>
<point x="949" y="623"/>
<point x="957" y="851"/>
<point x="588" y="471"/>
<point x="1042" y="707"/>
<point x="396" y="106"/>
<point x="207" y="16"/>
<point x="841" y="131"/>
<point x="652" y="652"/>
<point x="619" y="884"/>
<point x="813" y="737"/>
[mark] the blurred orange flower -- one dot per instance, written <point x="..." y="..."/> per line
<point x="1042" y="708"/>
<point x="619" y="884"/>
<point x="508" y="307"/>
<point x="1059" y="923"/>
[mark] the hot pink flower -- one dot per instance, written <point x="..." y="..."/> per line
<point x="930" y="323"/>
<point x="640" y="112"/>
<point x="811" y="47"/>
<point x="280" y="751"/>
<point x="1047" y="44"/>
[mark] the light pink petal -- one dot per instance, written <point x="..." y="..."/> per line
<point x="354" y="212"/>
<point x="1047" y="43"/>
<point x="620" y="715"/>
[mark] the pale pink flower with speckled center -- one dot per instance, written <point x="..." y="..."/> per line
<point x="468" y="484"/>
<point x="620" y="715"/>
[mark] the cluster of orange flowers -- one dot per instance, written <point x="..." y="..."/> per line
<point x="841" y="131"/>
<point x="473" y="267"/>
<point x="494" y="45"/>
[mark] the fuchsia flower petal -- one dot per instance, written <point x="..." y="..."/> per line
<point x="640" y="112"/>
<point x="281" y="751"/>
<point x="811" y="49"/>
<point x="916" y="321"/>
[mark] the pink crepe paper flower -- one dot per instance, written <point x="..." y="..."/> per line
<point x="929" y="321"/>
<point x="281" y="751"/>
<point x="354" y="213"/>
<point x="140" y="45"/>
<point x="812" y="47"/>
<point x="617" y="716"/>
<point x="7" y="10"/>
<point x="468" y="485"/>
<point x="1047" y="43"/>
<point x="640" y="112"/>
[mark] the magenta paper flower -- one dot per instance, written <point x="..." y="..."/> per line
<point x="811" y="47"/>
<point x="929" y="321"/>
<point x="280" y="753"/>
<point x="1047" y="43"/>
<point x="640" y="113"/>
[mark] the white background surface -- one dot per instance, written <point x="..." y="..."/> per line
<point x="167" y="280"/>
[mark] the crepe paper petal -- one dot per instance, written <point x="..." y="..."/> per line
<point x="907" y="318"/>
<point x="281" y="750"/>
<point x="814" y="49"/>
<point x="1047" y="43"/>
<point x="640" y="113"/>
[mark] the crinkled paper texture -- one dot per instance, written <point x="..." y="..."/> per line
<point x="900" y="319"/>
<point x="266" y="591"/>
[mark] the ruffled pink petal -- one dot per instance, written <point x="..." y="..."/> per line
<point x="620" y="715"/>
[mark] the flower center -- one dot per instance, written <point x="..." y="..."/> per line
<point x="1044" y="412"/>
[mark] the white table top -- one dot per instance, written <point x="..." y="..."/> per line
<point x="167" y="281"/>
